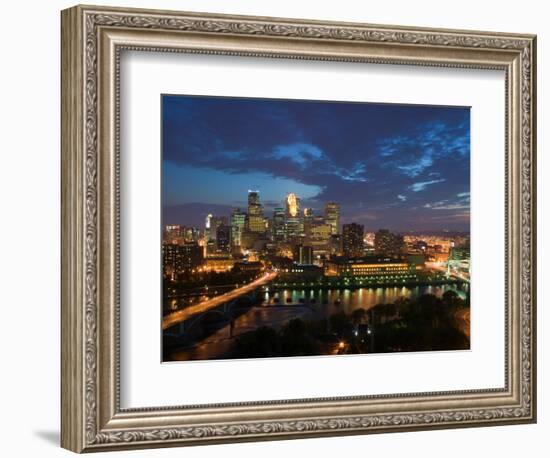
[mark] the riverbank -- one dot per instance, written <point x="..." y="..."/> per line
<point x="278" y="308"/>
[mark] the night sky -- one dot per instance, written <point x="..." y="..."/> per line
<point x="401" y="167"/>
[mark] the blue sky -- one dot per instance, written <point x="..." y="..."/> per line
<point x="402" y="167"/>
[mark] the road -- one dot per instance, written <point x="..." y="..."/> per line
<point x="186" y="313"/>
<point x="443" y="268"/>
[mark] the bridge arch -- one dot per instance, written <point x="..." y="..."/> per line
<point x="240" y="302"/>
<point x="201" y="317"/>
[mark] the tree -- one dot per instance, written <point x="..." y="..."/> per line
<point x="261" y="343"/>
<point x="359" y="315"/>
<point x="339" y="323"/>
<point x="450" y="296"/>
<point x="296" y="341"/>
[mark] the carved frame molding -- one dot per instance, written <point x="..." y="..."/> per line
<point x="92" y="39"/>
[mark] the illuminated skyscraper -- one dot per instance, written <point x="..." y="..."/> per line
<point x="223" y="238"/>
<point x="238" y="222"/>
<point x="174" y="233"/>
<point x="335" y="244"/>
<point x="254" y="204"/>
<point x="294" y="225"/>
<point x="303" y="255"/>
<point x="352" y="240"/>
<point x="318" y="237"/>
<point x="191" y="234"/>
<point x="307" y="219"/>
<point x="215" y="222"/>
<point x="207" y="226"/>
<point x="388" y="243"/>
<point x="255" y="218"/>
<point x="292" y="206"/>
<point x="332" y="216"/>
<point x="279" y="225"/>
<point x="177" y="259"/>
<point x="268" y="223"/>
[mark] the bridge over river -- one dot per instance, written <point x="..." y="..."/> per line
<point x="225" y="308"/>
<point x="216" y="302"/>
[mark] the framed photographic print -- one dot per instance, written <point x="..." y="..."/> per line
<point x="278" y="228"/>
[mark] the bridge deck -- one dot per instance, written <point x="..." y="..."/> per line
<point x="205" y="306"/>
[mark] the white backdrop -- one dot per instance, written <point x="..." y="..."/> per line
<point x="29" y="242"/>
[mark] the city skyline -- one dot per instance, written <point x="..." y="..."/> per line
<point x="301" y="228"/>
<point x="410" y="174"/>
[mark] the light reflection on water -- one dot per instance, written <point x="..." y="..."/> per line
<point x="347" y="300"/>
<point x="279" y="307"/>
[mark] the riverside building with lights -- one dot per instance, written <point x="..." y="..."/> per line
<point x="369" y="267"/>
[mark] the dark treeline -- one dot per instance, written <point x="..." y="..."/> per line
<point x="427" y="323"/>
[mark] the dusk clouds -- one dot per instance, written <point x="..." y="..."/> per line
<point x="404" y="167"/>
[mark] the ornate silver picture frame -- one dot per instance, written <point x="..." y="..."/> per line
<point x="93" y="39"/>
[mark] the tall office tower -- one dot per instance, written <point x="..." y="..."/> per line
<point x="181" y="258"/>
<point x="303" y="255"/>
<point x="336" y="244"/>
<point x="191" y="234"/>
<point x="223" y="238"/>
<point x="294" y="225"/>
<point x="255" y="218"/>
<point x="352" y="240"/>
<point x="174" y="233"/>
<point x="318" y="237"/>
<point x="207" y="227"/>
<point x="292" y="206"/>
<point x="332" y="216"/>
<point x="307" y="219"/>
<point x="215" y="222"/>
<point x="238" y="223"/>
<point x="278" y="228"/>
<point x="268" y="224"/>
<point x="388" y="244"/>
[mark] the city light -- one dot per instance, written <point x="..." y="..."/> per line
<point x="234" y="256"/>
<point x="299" y="227"/>
<point x="292" y="203"/>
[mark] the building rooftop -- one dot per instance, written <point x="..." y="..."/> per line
<point x="367" y="260"/>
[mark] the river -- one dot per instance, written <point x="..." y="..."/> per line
<point x="280" y="306"/>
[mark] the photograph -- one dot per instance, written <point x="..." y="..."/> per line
<point x="313" y="228"/>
